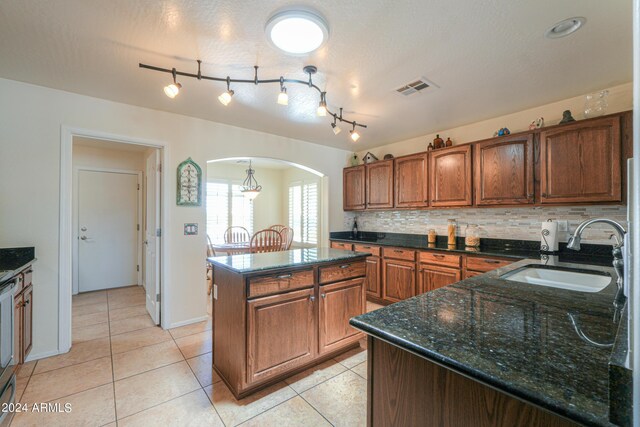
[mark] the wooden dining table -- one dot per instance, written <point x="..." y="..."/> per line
<point x="236" y="247"/>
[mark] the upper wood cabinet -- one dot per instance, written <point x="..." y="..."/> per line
<point x="504" y="171"/>
<point x="353" y="194"/>
<point x="379" y="186"/>
<point x="450" y="176"/>
<point x="581" y="162"/>
<point x="411" y="179"/>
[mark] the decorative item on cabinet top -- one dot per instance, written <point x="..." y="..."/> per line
<point x="388" y="156"/>
<point x="536" y="124"/>
<point x="354" y="160"/>
<point x="502" y="132"/>
<point x="369" y="158"/>
<point x="189" y="184"/>
<point x="566" y="117"/>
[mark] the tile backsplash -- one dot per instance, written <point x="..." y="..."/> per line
<point x="498" y="223"/>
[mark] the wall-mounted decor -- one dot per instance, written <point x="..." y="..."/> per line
<point x="189" y="190"/>
<point x="369" y="158"/>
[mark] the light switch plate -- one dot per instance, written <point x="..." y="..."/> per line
<point x="190" y="229"/>
<point x="215" y="292"/>
<point x="563" y="225"/>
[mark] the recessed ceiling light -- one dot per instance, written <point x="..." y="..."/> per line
<point x="565" y="27"/>
<point x="297" y="32"/>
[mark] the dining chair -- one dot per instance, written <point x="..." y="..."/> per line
<point x="287" y="238"/>
<point x="236" y="234"/>
<point x="210" y="253"/>
<point x="266" y="241"/>
<point x="278" y="227"/>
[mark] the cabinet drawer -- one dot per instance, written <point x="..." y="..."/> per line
<point x="280" y="282"/>
<point x="446" y="260"/>
<point x="344" y="271"/>
<point x="341" y="245"/>
<point x="396" y="253"/>
<point x="485" y="264"/>
<point x="370" y="249"/>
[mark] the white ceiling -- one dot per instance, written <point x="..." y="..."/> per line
<point x="489" y="58"/>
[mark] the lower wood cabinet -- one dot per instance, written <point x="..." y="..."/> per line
<point x="23" y="320"/>
<point x="399" y="279"/>
<point x="372" y="281"/>
<point x="281" y="333"/>
<point x="431" y="277"/>
<point x="338" y="303"/>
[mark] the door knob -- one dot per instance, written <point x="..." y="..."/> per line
<point x="83" y="238"/>
<point x="83" y="229"/>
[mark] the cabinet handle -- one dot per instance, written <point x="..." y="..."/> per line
<point x="544" y="194"/>
<point x="324" y="295"/>
<point x="312" y="298"/>
<point x="398" y="251"/>
<point x="438" y="256"/>
<point x="491" y="261"/>
<point x="345" y="266"/>
<point x="284" y="276"/>
<point x="367" y="247"/>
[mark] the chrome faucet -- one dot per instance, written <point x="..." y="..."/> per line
<point x="618" y="257"/>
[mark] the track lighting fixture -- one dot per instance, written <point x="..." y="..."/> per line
<point x="355" y="136"/>
<point x="322" y="107"/>
<point x="173" y="89"/>
<point x="225" y="97"/>
<point x="283" y="98"/>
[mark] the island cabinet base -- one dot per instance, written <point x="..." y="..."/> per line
<point x="407" y="390"/>
<point x="272" y="323"/>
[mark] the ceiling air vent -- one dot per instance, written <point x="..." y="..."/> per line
<point x="415" y="86"/>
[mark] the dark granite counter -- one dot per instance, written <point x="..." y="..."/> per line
<point x="252" y="263"/>
<point x="13" y="260"/>
<point x="550" y="347"/>
<point x="517" y="249"/>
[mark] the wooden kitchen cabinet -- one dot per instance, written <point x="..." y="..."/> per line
<point x="431" y="277"/>
<point x="27" y="322"/>
<point x="411" y="181"/>
<point x="338" y="303"/>
<point x="581" y="162"/>
<point x="276" y="342"/>
<point x="23" y="317"/>
<point x="504" y="171"/>
<point x="354" y="193"/>
<point x="341" y="246"/>
<point x="372" y="279"/>
<point x="450" y="178"/>
<point x="399" y="279"/>
<point x="379" y="184"/>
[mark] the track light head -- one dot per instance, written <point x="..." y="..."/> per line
<point x="225" y="97"/>
<point x="355" y="136"/>
<point x="283" y="98"/>
<point x="336" y="129"/>
<point x="173" y="89"/>
<point x="322" y="107"/>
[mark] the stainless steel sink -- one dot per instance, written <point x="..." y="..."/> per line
<point x="582" y="281"/>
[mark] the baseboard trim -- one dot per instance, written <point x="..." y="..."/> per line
<point x="188" y="322"/>
<point x="37" y="356"/>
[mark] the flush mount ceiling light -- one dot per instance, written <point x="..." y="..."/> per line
<point x="297" y="32"/>
<point x="283" y="99"/>
<point x="565" y="27"/>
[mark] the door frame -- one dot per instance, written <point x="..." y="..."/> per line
<point x="76" y="246"/>
<point x="65" y="261"/>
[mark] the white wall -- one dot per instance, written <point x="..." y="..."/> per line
<point x="100" y="158"/>
<point x="31" y="118"/>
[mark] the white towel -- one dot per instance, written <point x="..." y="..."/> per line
<point x="549" y="236"/>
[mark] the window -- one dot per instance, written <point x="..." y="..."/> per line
<point x="303" y="212"/>
<point x="226" y="207"/>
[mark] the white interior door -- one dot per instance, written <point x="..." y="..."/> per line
<point x="151" y="277"/>
<point x="107" y="229"/>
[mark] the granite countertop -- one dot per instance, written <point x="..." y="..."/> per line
<point x="12" y="260"/>
<point x="504" y="248"/>
<point x="516" y="337"/>
<point x="251" y="263"/>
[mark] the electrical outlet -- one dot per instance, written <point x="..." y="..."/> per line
<point x="563" y="225"/>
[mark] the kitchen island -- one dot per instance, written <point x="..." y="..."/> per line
<point x="488" y="351"/>
<point x="278" y="313"/>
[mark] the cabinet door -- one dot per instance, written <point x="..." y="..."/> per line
<point x="353" y="192"/>
<point x="450" y="176"/>
<point x="17" y="329"/>
<point x="410" y="179"/>
<point x="399" y="280"/>
<point x="339" y="302"/>
<point x="504" y="171"/>
<point x="27" y="322"/>
<point x="277" y="343"/>
<point x="372" y="279"/>
<point x="581" y="162"/>
<point x="431" y="277"/>
<point x="380" y="184"/>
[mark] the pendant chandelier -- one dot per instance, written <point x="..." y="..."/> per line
<point x="250" y="187"/>
<point x="174" y="88"/>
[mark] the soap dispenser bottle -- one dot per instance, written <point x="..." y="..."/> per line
<point x="354" y="229"/>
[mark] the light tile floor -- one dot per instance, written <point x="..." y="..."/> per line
<point x="122" y="370"/>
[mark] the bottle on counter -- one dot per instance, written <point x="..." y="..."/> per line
<point x="472" y="236"/>
<point x="451" y="232"/>
<point x="448" y="142"/>
<point x="354" y="229"/>
<point x="431" y="236"/>
<point x="438" y="142"/>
